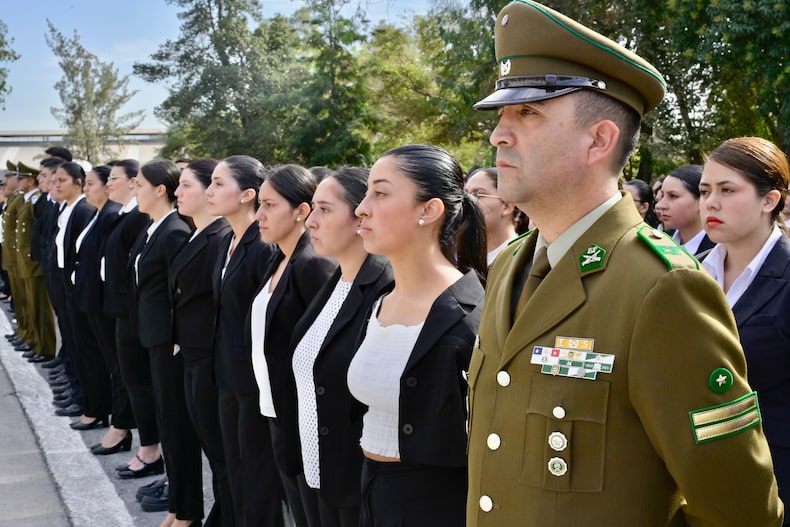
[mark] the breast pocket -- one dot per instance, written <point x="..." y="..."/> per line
<point x="565" y="434"/>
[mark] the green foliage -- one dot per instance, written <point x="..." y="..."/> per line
<point x="92" y="95"/>
<point x="7" y="54"/>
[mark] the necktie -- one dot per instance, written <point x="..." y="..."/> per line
<point x="540" y="268"/>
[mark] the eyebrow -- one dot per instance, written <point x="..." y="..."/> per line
<point x="323" y="202"/>
<point x="718" y="183"/>
<point x="381" y="180"/>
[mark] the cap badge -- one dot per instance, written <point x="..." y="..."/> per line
<point x="504" y="68"/>
<point x="505" y="19"/>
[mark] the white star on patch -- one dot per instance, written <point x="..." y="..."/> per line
<point x="721" y="379"/>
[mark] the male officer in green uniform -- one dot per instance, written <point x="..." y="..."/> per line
<point x="38" y="311"/>
<point x="607" y="387"/>
<point x="13" y="205"/>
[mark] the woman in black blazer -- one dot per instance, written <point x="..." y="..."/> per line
<point x="743" y="191"/>
<point x="122" y="231"/>
<point x="193" y="320"/>
<point x="292" y="279"/>
<point x="680" y="209"/>
<point x="85" y="355"/>
<point x="87" y="299"/>
<point x="325" y="340"/>
<point x="256" y="491"/>
<point x="150" y="259"/>
<point x="408" y="369"/>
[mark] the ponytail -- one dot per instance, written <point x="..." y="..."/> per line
<point x="470" y="239"/>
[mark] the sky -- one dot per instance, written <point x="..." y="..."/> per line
<point x="117" y="31"/>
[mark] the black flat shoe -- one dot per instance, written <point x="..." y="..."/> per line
<point x="124" y="444"/>
<point x="149" y="469"/>
<point x="60" y="379"/>
<point x="38" y="359"/>
<point x="61" y="388"/>
<point x="157" y="503"/>
<point x="63" y="403"/>
<point x="23" y="347"/>
<point x="153" y="489"/>
<point x="69" y="411"/>
<point x="54" y="363"/>
<point x="97" y="422"/>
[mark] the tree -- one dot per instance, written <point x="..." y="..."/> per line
<point x="92" y="94"/>
<point x="6" y="55"/>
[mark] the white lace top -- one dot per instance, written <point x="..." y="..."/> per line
<point x="374" y="379"/>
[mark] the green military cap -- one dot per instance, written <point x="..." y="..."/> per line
<point x="543" y="54"/>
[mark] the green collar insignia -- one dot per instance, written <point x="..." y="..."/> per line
<point x="592" y="258"/>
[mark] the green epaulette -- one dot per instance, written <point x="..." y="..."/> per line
<point x="675" y="256"/>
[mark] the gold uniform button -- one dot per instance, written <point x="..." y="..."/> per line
<point x="503" y="378"/>
<point x="558" y="466"/>
<point x="493" y="441"/>
<point x="558" y="412"/>
<point x="486" y="503"/>
<point x="557" y="441"/>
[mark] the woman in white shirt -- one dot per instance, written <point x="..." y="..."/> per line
<point x="294" y="276"/>
<point x="743" y="191"/>
<point x="409" y="369"/>
<point x="679" y="208"/>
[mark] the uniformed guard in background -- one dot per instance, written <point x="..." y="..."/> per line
<point x="38" y="310"/>
<point x="608" y="386"/>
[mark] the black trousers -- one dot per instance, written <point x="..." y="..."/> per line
<point x="202" y="400"/>
<point x="57" y="296"/>
<point x="90" y="368"/>
<point x="253" y="476"/>
<point x="303" y="508"/>
<point x="180" y="444"/>
<point x="134" y="363"/>
<point x="412" y="494"/>
<point x="121" y="408"/>
<point x="322" y="514"/>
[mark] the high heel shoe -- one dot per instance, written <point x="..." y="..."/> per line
<point x="152" y="468"/>
<point x="97" y="421"/>
<point x="124" y="444"/>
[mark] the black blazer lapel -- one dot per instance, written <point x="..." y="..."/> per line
<point x="768" y="283"/>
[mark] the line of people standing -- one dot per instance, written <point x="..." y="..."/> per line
<point x="219" y="307"/>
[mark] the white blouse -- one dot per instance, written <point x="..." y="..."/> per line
<point x="374" y="379"/>
<point x="259" y="365"/>
<point x="303" y="361"/>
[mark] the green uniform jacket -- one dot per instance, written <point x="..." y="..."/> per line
<point x="15" y="200"/>
<point x="620" y="450"/>
<point x="26" y="266"/>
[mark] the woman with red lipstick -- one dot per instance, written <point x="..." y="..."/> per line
<point x="679" y="208"/>
<point x="409" y="369"/>
<point x="293" y="277"/>
<point x="743" y="191"/>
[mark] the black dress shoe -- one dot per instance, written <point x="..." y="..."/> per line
<point x="16" y="341"/>
<point x="60" y="379"/>
<point x="9" y="336"/>
<point x="64" y="403"/>
<point x="149" y="469"/>
<point x="124" y="444"/>
<point x="23" y="347"/>
<point x="153" y="489"/>
<point x="29" y="354"/>
<point x="54" y="363"/>
<point x="70" y="411"/>
<point x="38" y="359"/>
<point x="158" y="502"/>
<point x="104" y="422"/>
<point x="61" y="389"/>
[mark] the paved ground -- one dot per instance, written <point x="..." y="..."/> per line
<point x="47" y="474"/>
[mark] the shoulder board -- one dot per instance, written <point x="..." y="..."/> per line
<point x="675" y="256"/>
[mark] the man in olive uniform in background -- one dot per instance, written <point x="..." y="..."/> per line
<point x="608" y="386"/>
<point x="40" y="318"/>
<point x="24" y="336"/>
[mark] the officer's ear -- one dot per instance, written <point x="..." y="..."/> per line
<point x="603" y="136"/>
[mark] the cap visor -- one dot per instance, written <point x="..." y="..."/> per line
<point x="510" y="96"/>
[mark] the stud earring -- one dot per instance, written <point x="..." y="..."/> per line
<point x="298" y="218"/>
<point x="421" y="222"/>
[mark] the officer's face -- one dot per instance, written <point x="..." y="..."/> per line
<point x="539" y="153"/>
<point x="44" y="178"/>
